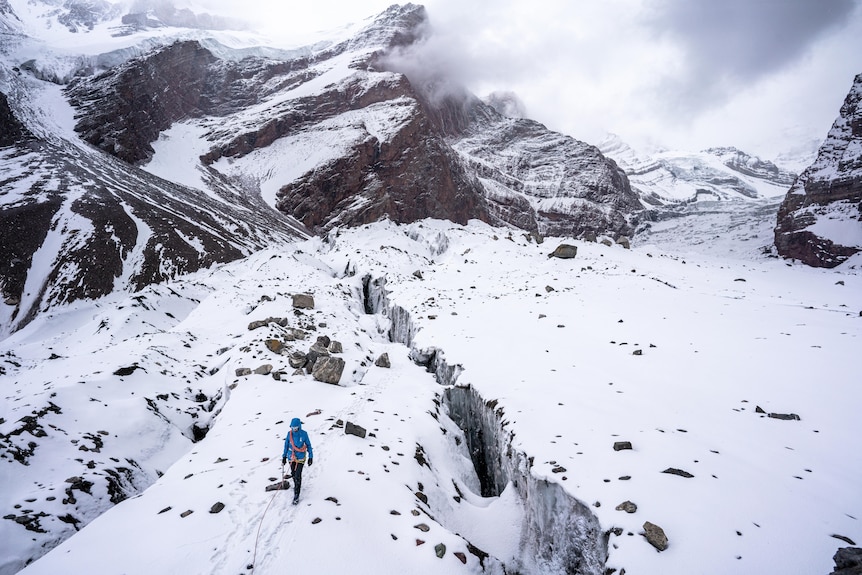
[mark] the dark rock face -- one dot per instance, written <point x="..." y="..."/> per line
<point x="848" y="561"/>
<point x="11" y="130"/>
<point x="413" y="175"/>
<point x="820" y="219"/>
<point x="124" y="109"/>
<point x="543" y="181"/>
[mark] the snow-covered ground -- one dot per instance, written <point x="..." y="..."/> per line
<point x="672" y="353"/>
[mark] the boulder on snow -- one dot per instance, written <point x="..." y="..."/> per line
<point x="383" y="360"/>
<point x="335" y="347"/>
<point x="564" y="251"/>
<point x="243" y="371"/>
<point x="655" y="536"/>
<point x="784" y="416"/>
<point x="353" y="429"/>
<point x="264" y="369"/>
<point x="627" y="506"/>
<point x="624" y="242"/>
<point x="303" y="301"/>
<point x="328" y="369"/>
<point x="274" y="345"/>
<point x="297" y="360"/>
<point x="680" y="472"/>
<point x="282" y="321"/>
<point x="621" y="445"/>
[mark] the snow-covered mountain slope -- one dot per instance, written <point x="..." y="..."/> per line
<point x="78" y="223"/>
<point x="718" y="174"/>
<point x="685" y="359"/>
<point x="820" y="220"/>
<point x="328" y="134"/>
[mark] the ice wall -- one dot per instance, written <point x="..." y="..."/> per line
<point x="560" y="534"/>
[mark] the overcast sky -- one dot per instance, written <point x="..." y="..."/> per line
<point x="763" y="75"/>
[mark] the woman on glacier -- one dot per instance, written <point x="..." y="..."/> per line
<point x="297" y="449"/>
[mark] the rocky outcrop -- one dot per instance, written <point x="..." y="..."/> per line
<point x="11" y="130"/>
<point x="123" y="110"/>
<point x="848" y="561"/>
<point x="820" y="221"/>
<point x="544" y="181"/>
<point x="749" y="165"/>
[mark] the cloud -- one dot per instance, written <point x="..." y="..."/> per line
<point x="685" y="73"/>
<point x="726" y="44"/>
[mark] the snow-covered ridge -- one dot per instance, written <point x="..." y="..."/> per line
<point x="717" y="174"/>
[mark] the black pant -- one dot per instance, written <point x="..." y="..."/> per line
<point x="296" y="472"/>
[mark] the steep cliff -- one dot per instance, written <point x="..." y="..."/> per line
<point x="820" y="220"/>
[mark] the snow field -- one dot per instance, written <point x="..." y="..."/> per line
<point x="766" y="494"/>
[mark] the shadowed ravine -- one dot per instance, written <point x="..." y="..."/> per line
<point x="560" y="535"/>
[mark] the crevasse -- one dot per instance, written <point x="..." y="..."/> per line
<point x="560" y="534"/>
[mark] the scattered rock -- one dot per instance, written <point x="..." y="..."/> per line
<point x="844" y="538"/>
<point x="655" y="536"/>
<point x="335" y="347"/>
<point x="638" y="352"/>
<point x="217" y="507"/>
<point x="353" y="429"/>
<point x="784" y="416"/>
<point x="282" y="321"/>
<point x="275" y="345"/>
<point x="621" y="445"/>
<point x="461" y="557"/>
<point x="127" y="370"/>
<point x="297" y="360"/>
<point x="564" y="251"/>
<point x="558" y="469"/>
<point x="303" y="301"/>
<point x="328" y="369"/>
<point x="277" y="486"/>
<point x="422" y="527"/>
<point x="316" y="520"/>
<point x="243" y="371"/>
<point x="627" y="506"/>
<point x="186" y="513"/>
<point x="680" y="472"/>
<point x="440" y="550"/>
<point x="383" y="360"/>
<point x="758" y="409"/>
<point x="624" y="242"/>
<point x="264" y="369"/>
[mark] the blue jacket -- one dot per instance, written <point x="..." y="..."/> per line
<point x="299" y="440"/>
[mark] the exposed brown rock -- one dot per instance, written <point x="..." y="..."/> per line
<point x="831" y="188"/>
